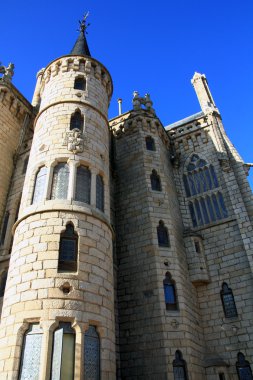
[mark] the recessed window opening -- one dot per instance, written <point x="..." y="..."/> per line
<point x="179" y="367"/>
<point x="76" y="121"/>
<point x="150" y="143"/>
<point x="228" y="301"/>
<point x="68" y="250"/>
<point x="92" y="354"/>
<point x="170" y="292"/>
<point x="80" y="83"/>
<point x="155" y="181"/>
<point x="60" y="181"/>
<point x="162" y="235"/>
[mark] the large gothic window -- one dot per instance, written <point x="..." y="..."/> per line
<point x="206" y="203"/>
<point x="3" y="280"/>
<point x="39" y="186"/>
<point x="83" y="178"/>
<point x="100" y="193"/>
<point x="76" y="121"/>
<point x="243" y="368"/>
<point x="60" y="181"/>
<point x="162" y="235"/>
<point x="31" y="350"/>
<point x="170" y="292"/>
<point x="91" y="354"/>
<point x="63" y="357"/>
<point x="179" y="367"/>
<point x="80" y="83"/>
<point x="68" y="250"/>
<point x="228" y="301"/>
<point x="155" y="181"/>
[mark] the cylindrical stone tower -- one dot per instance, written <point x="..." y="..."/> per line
<point x="58" y="310"/>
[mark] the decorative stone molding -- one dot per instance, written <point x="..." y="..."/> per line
<point x="139" y="101"/>
<point x="224" y="162"/>
<point x="246" y="168"/>
<point x="75" y="141"/>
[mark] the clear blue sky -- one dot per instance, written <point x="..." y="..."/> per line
<point x="147" y="46"/>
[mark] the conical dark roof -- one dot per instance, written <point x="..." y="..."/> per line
<point x="81" y="46"/>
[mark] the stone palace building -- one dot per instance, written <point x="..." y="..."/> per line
<point x="126" y="246"/>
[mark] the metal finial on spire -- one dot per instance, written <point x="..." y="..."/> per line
<point x="82" y="23"/>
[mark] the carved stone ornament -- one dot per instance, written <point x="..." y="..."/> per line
<point x="7" y="72"/>
<point x="146" y="101"/>
<point x="75" y="141"/>
<point x="224" y="162"/>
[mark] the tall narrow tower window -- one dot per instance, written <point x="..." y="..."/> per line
<point x="76" y="121"/>
<point x="155" y="181"/>
<point x="5" y="225"/>
<point x="60" y="181"/>
<point x="150" y="143"/>
<point x="92" y="354"/>
<point x="80" y="84"/>
<point x="162" y="235"/>
<point x="243" y="368"/>
<point x="3" y="280"/>
<point x="100" y="193"/>
<point x="83" y="179"/>
<point x="68" y="250"/>
<point x="31" y="349"/>
<point x="179" y="367"/>
<point x="228" y="301"/>
<point x="39" y="186"/>
<point x="63" y="357"/>
<point x="170" y="292"/>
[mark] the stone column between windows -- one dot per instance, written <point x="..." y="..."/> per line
<point x="72" y="179"/>
<point x="46" y="350"/>
<point x="93" y="187"/>
<point x="50" y="170"/>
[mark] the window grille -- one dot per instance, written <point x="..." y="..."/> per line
<point x="63" y="355"/>
<point x="39" y="187"/>
<point x="100" y="193"/>
<point x="31" y="350"/>
<point x="83" y="179"/>
<point x="162" y="235"/>
<point x="228" y="301"/>
<point x="179" y="367"/>
<point x="155" y="181"/>
<point x="68" y="250"/>
<point x="60" y="181"/>
<point x="5" y="225"/>
<point x="200" y="182"/>
<point x="169" y="292"/>
<point x="92" y="354"/>
<point x="243" y="368"/>
<point x="150" y="143"/>
<point x="76" y="121"/>
<point x="80" y="83"/>
<point x="3" y="283"/>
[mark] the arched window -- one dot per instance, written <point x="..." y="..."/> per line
<point x="162" y="235"/>
<point x="150" y="143"/>
<point x="243" y="368"/>
<point x="200" y="178"/>
<point x="60" y="181"/>
<point x="31" y="349"/>
<point x="155" y="181"/>
<point x="76" y="121"/>
<point x="39" y="186"/>
<point x="228" y="301"/>
<point x="80" y="83"/>
<point x="5" y="225"/>
<point x="100" y="193"/>
<point x="25" y="165"/>
<point x="170" y="292"/>
<point x="68" y="250"/>
<point x="83" y="177"/>
<point x="3" y="280"/>
<point x="63" y="356"/>
<point x="179" y="367"/>
<point x="91" y="354"/>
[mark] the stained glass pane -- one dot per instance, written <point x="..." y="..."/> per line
<point x="190" y="167"/>
<point x="197" y="182"/>
<point x="193" y="216"/>
<point x="39" y="188"/>
<point x="204" y="210"/>
<point x="203" y="181"/>
<point x="60" y="182"/>
<point x="213" y="174"/>
<point x="208" y="177"/>
<point x="245" y="373"/>
<point x="229" y="305"/>
<point x="192" y="184"/>
<point x="57" y="355"/>
<point x="199" y="215"/>
<point x="186" y="185"/>
<point x="92" y="354"/>
<point x="216" y="206"/>
<point x="169" y="293"/>
<point x="68" y="250"/>
<point x="201" y="163"/>
<point x="99" y="193"/>
<point x="222" y="205"/>
<point x="82" y="185"/>
<point x="179" y="373"/>
<point x="210" y="209"/>
<point x="30" y="362"/>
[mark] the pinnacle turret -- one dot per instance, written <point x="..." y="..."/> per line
<point x="81" y="46"/>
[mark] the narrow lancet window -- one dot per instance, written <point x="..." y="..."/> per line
<point x="100" y="193"/>
<point x="170" y="292"/>
<point x="179" y="367"/>
<point x="39" y="186"/>
<point x="92" y="354"/>
<point x="162" y="235"/>
<point x="68" y="250"/>
<point x="243" y="368"/>
<point x="150" y="143"/>
<point x="3" y="280"/>
<point x="80" y="84"/>
<point x="83" y="183"/>
<point x="155" y="181"/>
<point x="228" y="301"/>
<point x="60" y="181"/>
<point x="76" y="121"/>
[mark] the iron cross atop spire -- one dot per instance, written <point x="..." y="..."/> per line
<point x="81" y="46"/>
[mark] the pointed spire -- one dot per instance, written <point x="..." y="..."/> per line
<point x="81" y="46"/>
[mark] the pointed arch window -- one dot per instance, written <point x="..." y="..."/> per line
<point x="170" y="292"/>
<point x="68" y="250"/>
<point x="92" y="354"/>
<point x="83" y="183"/>
<point x="150" y="143"/>
<point x="179" y="367"/>
<point x="80" y="84"/>
<point x="63" y="356"/>
<point x="155" y="181"/>
<point x="3" y="280"/>
<point x="60" y="181"/>
<point x="243" y="368"/>
<point x="31" y="350"/>
<point x="201" y="182"/>
<point x="162" y="235"/>
<point x="39" y="186"/>
<point x="76" y="121"/>
<point x="99" y="192"/>
<point x="228" y="301"/>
